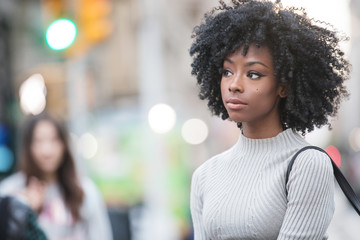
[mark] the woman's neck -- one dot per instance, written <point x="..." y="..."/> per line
<point x="260" y="132"/>
<point x="50" y="178"/>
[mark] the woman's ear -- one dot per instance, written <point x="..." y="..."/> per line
<point x="283" y="91"/>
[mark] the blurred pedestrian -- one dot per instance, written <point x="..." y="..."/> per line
<point x="68" y="207"/>
<point x="276" y="73"/>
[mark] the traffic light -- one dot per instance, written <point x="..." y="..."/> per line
<point x="60" y="34"/>
<point x="93" y="19"/>
<point x="60" y="30"/>
<point x="77" y="26"/>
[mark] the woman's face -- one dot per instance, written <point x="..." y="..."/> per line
<point x="249" y="89"/>
<point x="47" y="148"/>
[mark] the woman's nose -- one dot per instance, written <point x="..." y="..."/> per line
<point x="236" y="85"/>
<point x="46" y="147"/>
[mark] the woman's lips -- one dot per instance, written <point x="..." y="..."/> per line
<point x="235" y="103"/>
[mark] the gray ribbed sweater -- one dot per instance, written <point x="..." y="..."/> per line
<point x="240" y="193"/>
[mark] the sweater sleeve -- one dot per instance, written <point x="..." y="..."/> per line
<point x="310" y="198"/>
<point x="196" y="205"/>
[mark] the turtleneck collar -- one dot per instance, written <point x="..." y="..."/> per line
<point x="287" y="139"/>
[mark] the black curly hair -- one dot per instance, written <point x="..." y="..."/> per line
<point x="307" y="58"/>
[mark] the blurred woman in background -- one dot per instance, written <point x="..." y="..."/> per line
<point x="68" y="207"/>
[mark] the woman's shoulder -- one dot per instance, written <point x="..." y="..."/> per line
<point x="93" y="199"/>
<point x="92" y="193"/>
<point x="213" y="163"/>
<point x="12" y="183"/>
<point x="88" y="185"/>
<point x="314" y="160"/>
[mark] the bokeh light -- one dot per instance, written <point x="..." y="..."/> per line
<point x="6" y="158"/>
<point x="354" y="139"/>
<point x="88" y="145"/>
<point x="4" y="134"/>
<point x="194" y="131"/>
<point x="334" y="154"/>
<point x="60" y="34"/>
<point x="33" y="95"/>
<point x="161" y="118"/>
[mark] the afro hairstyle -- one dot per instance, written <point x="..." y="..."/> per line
<point x="307" y="58"/>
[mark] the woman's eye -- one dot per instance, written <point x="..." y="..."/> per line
<point x="226" y="73"/>
<point x="254" y="75"/>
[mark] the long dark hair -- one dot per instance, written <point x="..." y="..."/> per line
<point x="66" y="173"/>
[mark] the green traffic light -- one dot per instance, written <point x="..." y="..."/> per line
<point x="60" y="34"/>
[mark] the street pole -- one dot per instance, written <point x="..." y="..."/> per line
<point x="157" y="222"/>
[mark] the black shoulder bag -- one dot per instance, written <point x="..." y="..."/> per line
<point x="343" y="183"/>
<point x="18" y="221"/>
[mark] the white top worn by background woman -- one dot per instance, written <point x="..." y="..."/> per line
<point x="55" y="218"/>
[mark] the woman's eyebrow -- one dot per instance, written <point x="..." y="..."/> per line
<point x="247" y="64"/>
<point x="228" y="60"/>
<point x="252" y="63"/>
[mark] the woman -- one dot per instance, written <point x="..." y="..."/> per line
<point x="274" y="72"/>
<point x="67" y="207"/>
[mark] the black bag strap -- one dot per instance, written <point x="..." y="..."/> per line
<point x="343" y="183"/>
